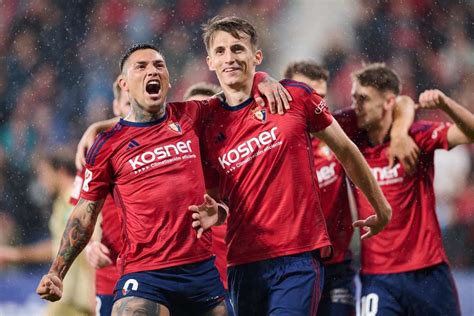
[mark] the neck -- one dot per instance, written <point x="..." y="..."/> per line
<point x="378" y="132"/>
<point x="236" y="94"/>
<point x="139" y="115"/>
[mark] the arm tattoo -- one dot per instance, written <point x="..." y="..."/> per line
<point x="78" y="231"/>
<point x="143" y="116"/>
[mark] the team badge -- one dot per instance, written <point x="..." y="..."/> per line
<point x="259" y="114"/>
<point x="320" y="107"/>
<point x="325" y="151"/>
<point x="175" y="127"/>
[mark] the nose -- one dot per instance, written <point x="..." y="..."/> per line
<point x="151" y="70"/>
<point x="229" y="57"/>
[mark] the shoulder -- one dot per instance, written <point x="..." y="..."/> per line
<point x="297" y="87"/>
<point x="421" y="127"/>
<point x="104" y="143"/>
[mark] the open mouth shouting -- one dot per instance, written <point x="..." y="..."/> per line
<point x="153" y="88"/>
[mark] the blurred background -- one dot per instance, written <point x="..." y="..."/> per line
<point x="58" y="60"/>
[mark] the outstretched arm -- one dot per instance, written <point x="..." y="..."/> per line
<point x="463" y="131"/>
<point x="357" y="169"/>
<point x="78" y="231"/>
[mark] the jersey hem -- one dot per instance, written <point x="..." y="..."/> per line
<point x="261" y="257"/>
<point x="407" y="269"/>
<point x="168" y="264"/>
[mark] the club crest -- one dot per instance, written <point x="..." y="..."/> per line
<point x="325" y="151"/>
<point x="175" y="127"/>
<point x="259" y="114"/>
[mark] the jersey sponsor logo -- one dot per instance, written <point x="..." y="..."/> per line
<point x="87" y="179"/>
<point x="175" y="127"/>
<point x="320" y="107"/>
<point x="387" y="175"/>
<point x="162" y="155"/>
<point x="326" y="174"/>
<point x="249" y="149"/>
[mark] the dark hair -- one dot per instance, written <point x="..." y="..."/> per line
<point x="230" y="24"/>
<point x="307" y="68"/>
<point x="133" y="49"/>
<point x="202" y="88"/>
<point x="378" y="76"/>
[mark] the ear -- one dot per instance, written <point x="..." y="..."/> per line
<point x="210" y="64"/>
<point x="123" y="83"/>
<point x="390" y="102"/>
<point x="258" y="57"/>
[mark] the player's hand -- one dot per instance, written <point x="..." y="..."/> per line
<point x="277" y="96"/>
<point x="50" y="287"/>
<point x="205" y="215"/>
<point x="404" y="150"/>
<point x="97" y="254"/>
<point x="86" y="142"/>
<point x="372" y="225"/>
<point x="432" y="99"/>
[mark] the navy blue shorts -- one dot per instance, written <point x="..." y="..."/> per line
<point x="288" y="285"/>
<point x="104" y="305"/>
<point x="429" y="291"/>
<point x="190" y="289"/>
<point x="338" y="298"/>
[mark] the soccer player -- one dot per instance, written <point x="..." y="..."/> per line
<point x="138" y="160"/>
<point x="265" y="173"/>
<point x="404" y="269"/>
<point x="151" y="163"/>
<point x="102" y="253"/>
<point x="338" y="297"/>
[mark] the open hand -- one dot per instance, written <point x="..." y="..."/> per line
<point x="372" y="225"/>
<point x="205" y="215"/>
<point x="278" y="97"/>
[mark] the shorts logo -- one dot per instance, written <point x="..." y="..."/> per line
<point x="175" y="127"/>
<point x="320" y="107"/>
<point x="87" y="179"/>
<point x="259" y="114"/>
<point x="126" y="290"/>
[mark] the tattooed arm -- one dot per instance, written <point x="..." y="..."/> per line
<point x="78" y="231"/>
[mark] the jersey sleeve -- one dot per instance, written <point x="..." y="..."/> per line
<point x="76" y="187"/>
<point x="98" y="170"/>
<point x="430" y="136"/>
<point x="317" y="112"/>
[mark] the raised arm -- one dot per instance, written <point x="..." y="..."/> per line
<point x="463" y="131"/>
<point x="357" y="169"/>
<point x="402" y="146"/>
<point x="78" y="231"/>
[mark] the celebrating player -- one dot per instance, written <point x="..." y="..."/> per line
<point x="404" y="269"/>
<point x="338" y="297"/>
<point x="276" y="230"/>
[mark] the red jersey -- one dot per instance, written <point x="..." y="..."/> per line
<point x="412" y="239"/>
<point x="266" y="175"/>
<point x="154" y="172"/>
<point x="334" y="200"/>
<point x="220" y="250"/>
